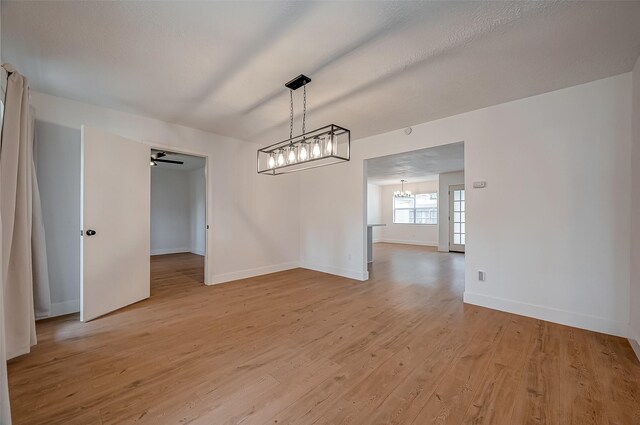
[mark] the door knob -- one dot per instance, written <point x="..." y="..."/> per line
<point x="91" y="232"/>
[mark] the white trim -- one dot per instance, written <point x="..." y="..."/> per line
<point x="338" y="271"/>
<point x="634" y="340"/>
<point x="408" y="242"/>
<point x="170" y="251"/>
<point x="563" y="317"/>
<point x="65" y="307"/>
<point x="198" y="252"/>
<point x="258" y="271"/>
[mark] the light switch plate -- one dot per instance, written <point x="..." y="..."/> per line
<point x="479" y="185"/>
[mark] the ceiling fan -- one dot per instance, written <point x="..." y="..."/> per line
<point x="157" y="157"/>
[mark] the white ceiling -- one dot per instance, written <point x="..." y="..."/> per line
<point x="416" y="166"/>
<point x="190" y="162"/>
<point x="376" y="66"/>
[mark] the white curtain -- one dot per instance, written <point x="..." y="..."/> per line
<point x="5" y="408"/>
<point x="16" y="214"/>
<point x="41" y="288"/>
<point x="25" y="283"/>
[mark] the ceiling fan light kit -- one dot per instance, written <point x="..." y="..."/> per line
<point x="326" y="145"/>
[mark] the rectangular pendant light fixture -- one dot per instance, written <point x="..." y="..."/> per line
<point x="326" y="145"/>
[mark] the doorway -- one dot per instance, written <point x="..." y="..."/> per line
<point x="409" y="202"/>
<point x="115" y="218"/>
<point x="177" y="219"/>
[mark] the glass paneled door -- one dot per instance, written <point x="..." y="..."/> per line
<point x="456" y="218"/>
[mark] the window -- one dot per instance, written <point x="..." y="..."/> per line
<point x="421" y="208"/>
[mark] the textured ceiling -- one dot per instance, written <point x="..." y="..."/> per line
<point x="416" y="166"/>
<point x="376" y="66"/>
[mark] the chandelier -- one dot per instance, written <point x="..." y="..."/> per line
<point x="401" y="193"/>
<point x="326" y="145"/>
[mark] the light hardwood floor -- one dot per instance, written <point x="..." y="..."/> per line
<point x="301" y="347"/>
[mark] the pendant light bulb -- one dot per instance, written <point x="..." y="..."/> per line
<point x="328" y="145"/>
<point x="316" y="151"/>
<point x="280" y="158"/>
<point x="291" y="158"/>
<point x="303" y="152"/>
<point x="272" y="161"/>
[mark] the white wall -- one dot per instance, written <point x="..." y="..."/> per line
<point x="197" y="210"/>
<point x="551" y="229"/>
<point x="374" y="209"/>
<point x="446" y="180"/>
<point x="253" y="219"/>
<point x="414" y="234"/>
<point x="177" y="211"/>
<point x="634" y="328"/>
<point x="57" y="157"/>
<point x="170" y="211"/>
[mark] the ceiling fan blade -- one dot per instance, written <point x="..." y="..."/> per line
<point x="169" y="161"/>
<point x="158" y="155"/>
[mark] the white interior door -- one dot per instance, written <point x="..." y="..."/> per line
<point x="457" y="229"/>
<point x="115" y="206"/>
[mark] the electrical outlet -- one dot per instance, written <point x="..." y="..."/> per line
<point x="482" y="276"/>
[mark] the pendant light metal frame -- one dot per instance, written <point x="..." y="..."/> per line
<point x="331" y="130"/>
<point x="334" y="143"/>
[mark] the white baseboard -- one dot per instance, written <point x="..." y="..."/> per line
<point x="60" y="309"/>
<point x="170" y="251"/>
<point x="338" y="271"/>
<point x="443" y="248"/>
<point x="177" y="251"/>
<point x="258" y="271"/>
<point x="634" y="340"/>
<point x="563" y="317"/>
<point x="409" y="242"/>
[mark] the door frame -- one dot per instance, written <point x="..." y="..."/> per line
<point x="176" y="149"/>
<point x="455" y="247"/>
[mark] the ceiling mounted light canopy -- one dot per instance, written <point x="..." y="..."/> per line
<point x="326" y="145"/>
<point x="401" y="193"/>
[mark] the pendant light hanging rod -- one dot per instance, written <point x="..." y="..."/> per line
<point x="291" y="121"/>
<point x="296" y="83"/>
<point x="304" y="108"/>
